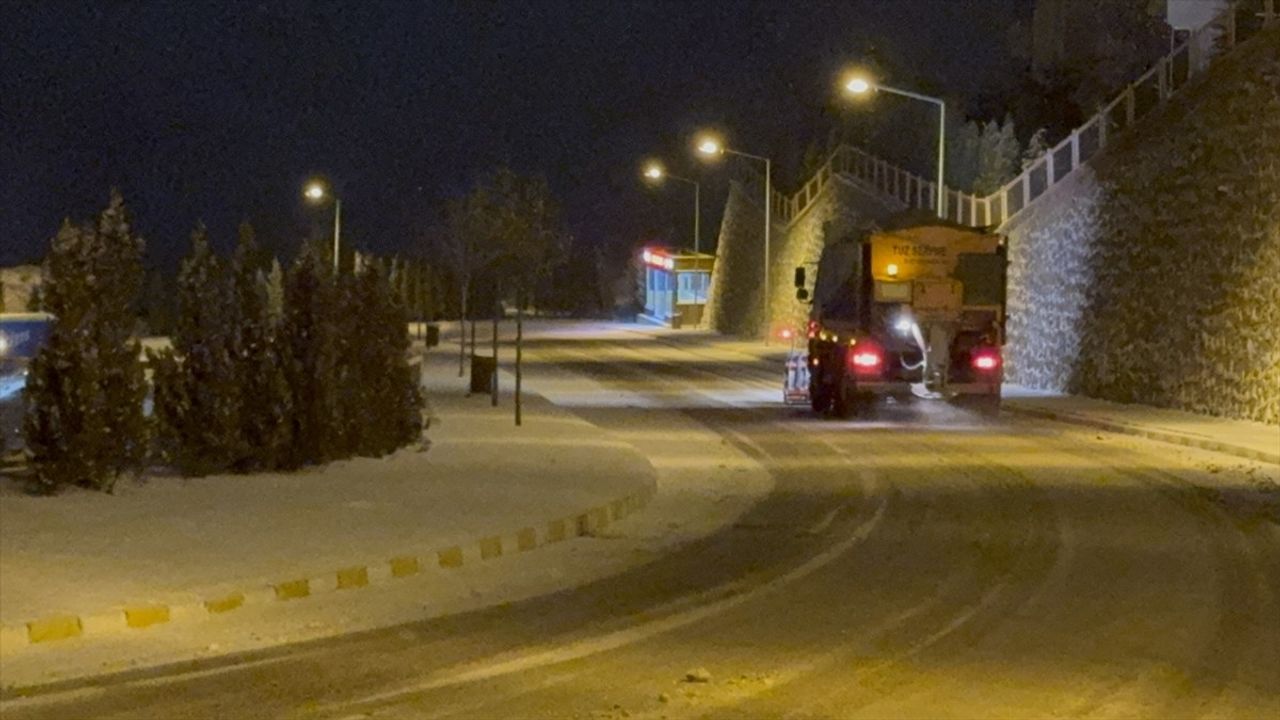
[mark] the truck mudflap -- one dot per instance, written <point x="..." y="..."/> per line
<point x="795" y="384"/>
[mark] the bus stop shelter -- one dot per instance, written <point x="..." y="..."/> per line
<point x="676" y="284"/>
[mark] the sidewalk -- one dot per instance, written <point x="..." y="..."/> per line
<point x="177" y="551"/>
<point x="1252" y="440"/>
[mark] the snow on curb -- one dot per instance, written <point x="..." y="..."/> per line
<point x="137" y="617"/>
<point x="1202" y="443"/>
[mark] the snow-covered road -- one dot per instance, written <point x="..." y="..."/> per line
<point x="922" y="565"/>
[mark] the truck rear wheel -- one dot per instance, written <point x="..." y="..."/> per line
<point x="819" y="396"/>
<point x="851" y="403"/>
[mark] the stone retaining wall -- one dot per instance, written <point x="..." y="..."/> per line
<point x="1153" y="274"/>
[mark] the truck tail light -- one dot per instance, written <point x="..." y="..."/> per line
<point x="813" y="329"/>
<point x="866" y="358"/>
<point x="985" y="359"/>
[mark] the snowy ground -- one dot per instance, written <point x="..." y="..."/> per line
<point x="169" y="540"/>
<point x="925" y="564"/>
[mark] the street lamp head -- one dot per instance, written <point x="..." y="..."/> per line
<point x="710" y="146"/>
<point x="314" y="191"/>
<point x="857" y="85"/>
<point x="654" y="171"/>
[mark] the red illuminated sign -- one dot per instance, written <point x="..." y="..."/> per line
<point x="655" y="258"/>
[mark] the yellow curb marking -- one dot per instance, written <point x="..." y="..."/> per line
<point x="490" y="547"/>
<point x="404" y="566"/>
<point x="57" y="627"/>
<point x="555" y="531"/>
<point x="450" y="557"/>
<point x="61" y="627"/>
<point x="293" y="589"/>
<point x="145" y="616"/>
<point x="353" y="577"/>
<point x="224" y="604"/>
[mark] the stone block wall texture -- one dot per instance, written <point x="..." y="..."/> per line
<point x="1153" y="274"/>
<point x="733" y="302"/>
<point x="844" y="208"/>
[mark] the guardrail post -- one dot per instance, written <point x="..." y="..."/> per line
<point x="1026" y="188"/>
<point x="1104" y="119"/>
<point x="1130" y="111"/>
<point x="1004" y="205"/>
<point x="919" y="192"/>
<point x="1048" y="170"/>
<point x="1075" y="149"/>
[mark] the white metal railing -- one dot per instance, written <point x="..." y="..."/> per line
<point x="1150" y="91"/>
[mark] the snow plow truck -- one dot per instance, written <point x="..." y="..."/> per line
<point x="913" y="310"/>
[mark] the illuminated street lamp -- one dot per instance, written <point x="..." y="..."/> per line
<point x="710" y="146"/>
<point x="316" y="192"/>
<point x="859" y="85"/>
<point x="655" y="173"/>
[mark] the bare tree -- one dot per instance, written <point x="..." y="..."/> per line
<point x="530" y="239"/>
<point x="469" y="245"/>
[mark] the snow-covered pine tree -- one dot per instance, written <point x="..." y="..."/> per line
<point x="64" y="427"/>
<point x="356" y="329"/>
<point x="199" y="418"/>
<point x="84" y="421"/>
<point x="265" y="402"/>
<point x="391" y="384"/>
<point x="310" y="350"/>
<point x="124" y="386"/>
<point x="1037" y="146"/>
<point x="275" y="293"/>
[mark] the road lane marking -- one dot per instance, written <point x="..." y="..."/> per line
<point x="509" y="663"/>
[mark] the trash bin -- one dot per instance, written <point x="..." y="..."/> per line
<point x="433" y="335"/>
<point x="484" y="373"/>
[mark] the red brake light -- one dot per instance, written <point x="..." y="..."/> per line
<point x="813" y="329"/>
<point x="986" y="359"/>
<point x="866" y="358"/>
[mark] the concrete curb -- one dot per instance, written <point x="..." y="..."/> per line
<point x="1166" y="436"/>
<point x="140" y="616"/>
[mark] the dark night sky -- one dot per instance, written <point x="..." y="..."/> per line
<point x="220" y="110"/>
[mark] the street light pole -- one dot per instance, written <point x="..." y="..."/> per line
<point x="859" y="85"/>
<point x="656" y="173"/>
<point x="337" y="232"/>
<point x="316" y="192"/>
<point x="697" y="211"/>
